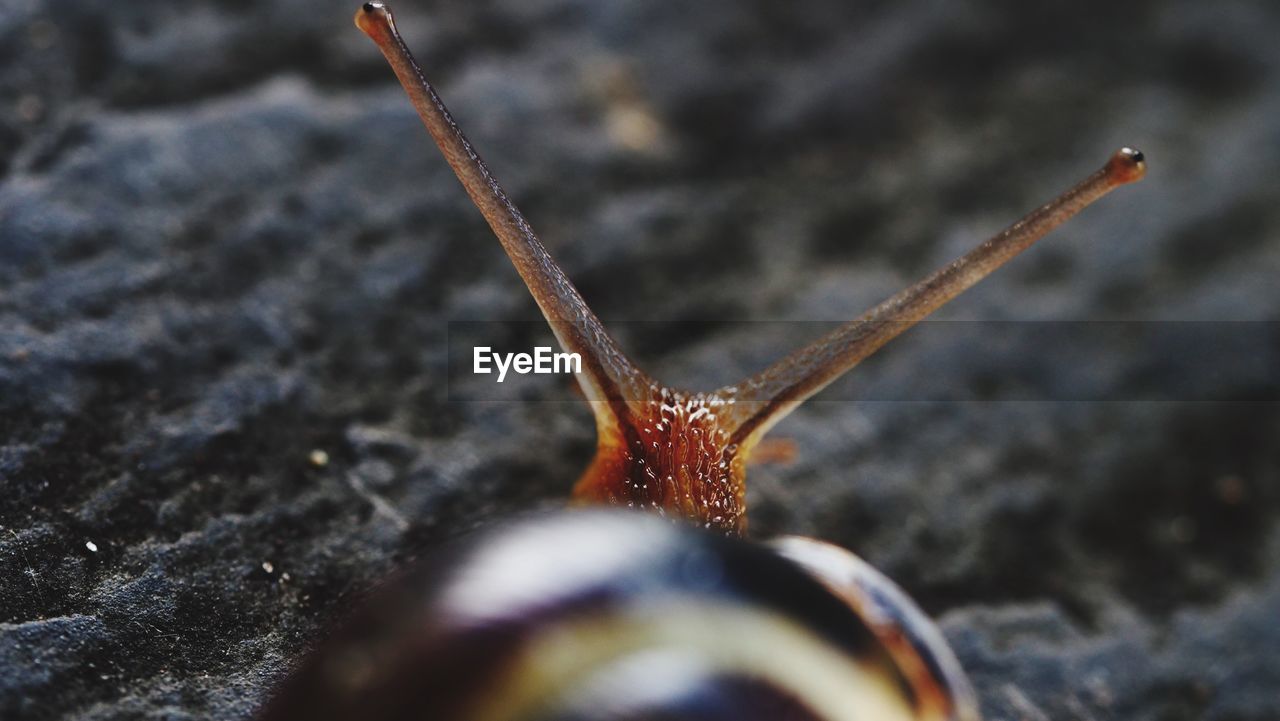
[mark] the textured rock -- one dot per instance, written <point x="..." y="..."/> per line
<point x="225" y="243"/>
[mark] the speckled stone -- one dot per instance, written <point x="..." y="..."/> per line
<point x="225" y="245"/>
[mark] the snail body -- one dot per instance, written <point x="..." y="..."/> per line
<point x="611" y="615"/>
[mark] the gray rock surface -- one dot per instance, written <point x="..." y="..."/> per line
<point x="226" y="244"/>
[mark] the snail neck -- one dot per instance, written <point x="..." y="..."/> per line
<point x="676" y="455"/>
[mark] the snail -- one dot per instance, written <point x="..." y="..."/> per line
<point x="613" y="614"/>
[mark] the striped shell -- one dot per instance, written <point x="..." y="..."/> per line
<point x="620" y="616"/>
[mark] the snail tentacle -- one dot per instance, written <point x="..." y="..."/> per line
<point x="768" y="396"/>
<point x="608" y="378"/>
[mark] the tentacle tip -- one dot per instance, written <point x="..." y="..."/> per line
<point x="373" y="15"/>
<point x="1127" y="166"/>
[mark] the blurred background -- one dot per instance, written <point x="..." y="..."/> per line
<point x="229" y="258"/>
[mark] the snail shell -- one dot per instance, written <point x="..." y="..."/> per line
<point x="621" y="616"/>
